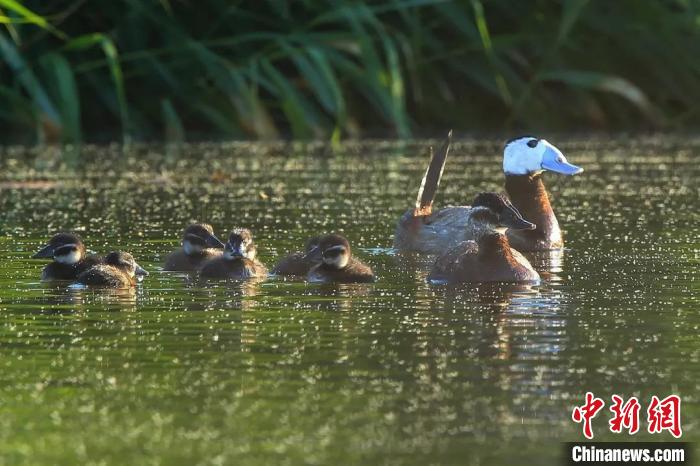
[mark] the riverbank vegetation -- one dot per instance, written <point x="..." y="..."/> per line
<point x="73" y="70"/>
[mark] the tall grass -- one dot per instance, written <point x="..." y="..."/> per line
<point x="74" y="70"/>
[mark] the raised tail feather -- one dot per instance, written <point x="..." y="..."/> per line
<point x="431" y="180"/>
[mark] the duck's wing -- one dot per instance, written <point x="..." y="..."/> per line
<point x="359" y="272"/>
<point x="448" y="262"/>
<point x="293" y="264"/>
<point x="431" y="179"/>
<point x="103" y="276"/>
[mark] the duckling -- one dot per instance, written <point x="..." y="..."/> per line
<point x="337" y="264"/>
<point x="489" y="257"/>
<point x="299" y="263"/>
<point x="238" y="260"/>
<point x="69" y="257"/>
<point x="199" y="244"/>
<point x="434" y="232"/>
<point x="118" y="270"/>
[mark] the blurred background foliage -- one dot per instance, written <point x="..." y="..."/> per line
<point x="102" y="70"/>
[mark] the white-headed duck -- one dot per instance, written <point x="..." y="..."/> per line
<point x="488" y="257"/>
<point x="118" y="270"/>
<point x="199" y="244"/>
<point x="423" y="230"/>
<point x="338" y="264"/>
<point x="299" y="263"/>
<point x="238" y="260"/>
<point x="69" y="257"/>
<point x="525" y="158"/>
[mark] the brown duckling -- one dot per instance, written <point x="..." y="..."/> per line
<point x="425" y="230"/>
<point x="199" y="244"/>
<point x="337" y="263"/>
<point x="69" y="257"/>
<point x="488" y="258"/>
<point x="238" y="260"/>
<point x="118" y="270"/>
<point x="299" y="263"/>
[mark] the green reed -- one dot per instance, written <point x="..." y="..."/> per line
<point x="72" y="70"/>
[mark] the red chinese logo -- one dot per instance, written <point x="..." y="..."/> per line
<point x="587" y="412"/>
<point x="665" y="415"/>
<point x="661" y="415"/>
<point x="626" y="415"/>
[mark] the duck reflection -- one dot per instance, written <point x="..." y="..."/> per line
<point x="64" y="299"/>
<point x="338" y="297"/>
<point x="223" y="294"/>
<point x="549" y="264"/>
<point x="520" y="324"/>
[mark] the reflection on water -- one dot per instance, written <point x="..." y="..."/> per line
<point x="282" y="371"/>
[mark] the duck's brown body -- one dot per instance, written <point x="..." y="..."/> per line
<point x="106" y="276"/>
<point x="490" y="259"/>
<point x="118" y="270"/>
<point x="239" y="268"/>
<point x="299" y="263"/>
<point x="444" y="229"/>
<point x="529" y="196"/>
<point x="180" y="261"/>
<point x="354" y="272"/>
<point x="295" y="264"/>
<point x="56" y="271"/>
<point x="437" y="232"/>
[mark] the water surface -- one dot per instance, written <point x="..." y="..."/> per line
<point x="281" y="372"/>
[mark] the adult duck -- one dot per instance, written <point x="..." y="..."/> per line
<point x="489" y="256"/>
<point x="425" y="230"/>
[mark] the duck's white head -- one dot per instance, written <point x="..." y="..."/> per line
<point x="527" y="154"/>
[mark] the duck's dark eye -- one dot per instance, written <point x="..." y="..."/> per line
<point x="532" y="143"/>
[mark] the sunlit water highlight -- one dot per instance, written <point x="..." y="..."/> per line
<point x="280" y="372"/>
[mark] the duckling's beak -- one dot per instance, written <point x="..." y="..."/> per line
<point x="554" y="160"/>
<point x="140" y="271"/>
<point x="233" y="251"/>
<point x="44" y="253"/>
<point x="213" y="242"/>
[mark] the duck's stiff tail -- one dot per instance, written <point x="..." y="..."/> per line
<point x="431" y="180"/>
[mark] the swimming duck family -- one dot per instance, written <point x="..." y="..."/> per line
<point x="429" y="231"/>
<point x="479" y="242"/>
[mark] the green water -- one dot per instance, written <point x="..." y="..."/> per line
<point x="396" y="372"/>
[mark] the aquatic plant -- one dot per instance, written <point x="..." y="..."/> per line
<point x="72" y="70"/>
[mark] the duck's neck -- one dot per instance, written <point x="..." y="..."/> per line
<point x="495" y="246"/>
<point x="529" y="196"/>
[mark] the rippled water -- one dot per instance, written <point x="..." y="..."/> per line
<point x="396" y="372"/>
